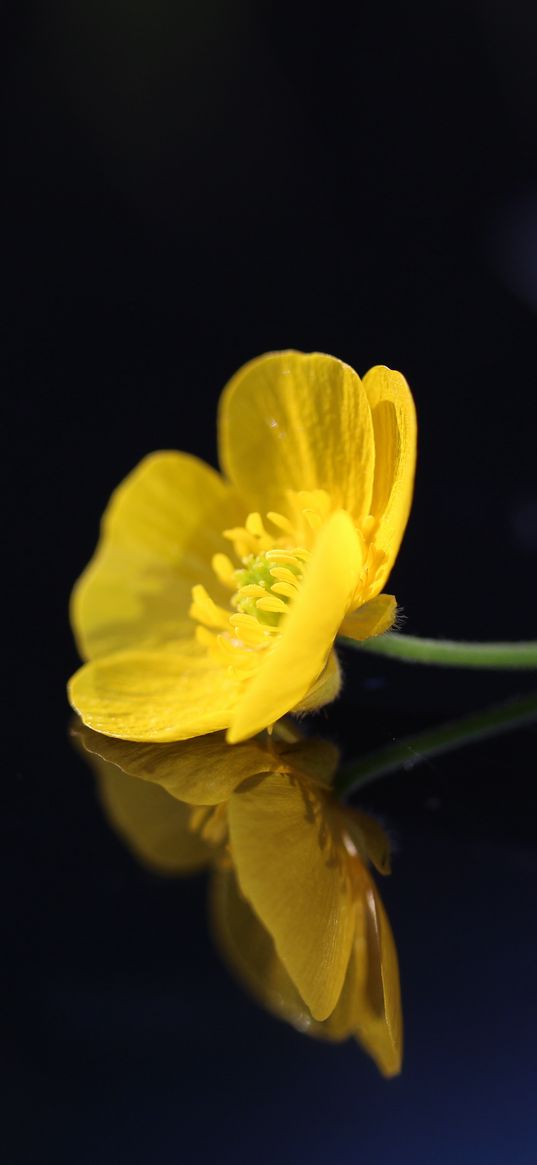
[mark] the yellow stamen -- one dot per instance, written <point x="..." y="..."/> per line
<point x="284" y="588"/>
<point x="253" y="591"/>
<point x="243" y="542"/>
<point x="280" y="522"/>
<point x="205" y="610"/>
<point x="254" y="526"/>
<point x="283" y="574"/>
<point x="210" y="821"/>
<point x="313" y="518"/>
<point x="282" y="557"/>
<point x="277" y="606"/>
<point x="248" y="628"/>
<point x="224" y="570"/>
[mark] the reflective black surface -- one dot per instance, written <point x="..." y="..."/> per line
<point x="187" y="188"/>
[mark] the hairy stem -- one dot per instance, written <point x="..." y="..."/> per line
<point x="414" y="750"/>
<point x="450" y="653"/>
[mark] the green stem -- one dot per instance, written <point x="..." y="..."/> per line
<point x="449" y="653"/>
<point x="413" y="750"/>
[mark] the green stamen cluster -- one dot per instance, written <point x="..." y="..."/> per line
<point x="257" y="572"/>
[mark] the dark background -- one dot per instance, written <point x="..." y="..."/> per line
<point x="187" y="185"/>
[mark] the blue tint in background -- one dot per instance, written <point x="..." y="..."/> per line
<point x="186" y="186"/>
<point x="130" y="1041"/>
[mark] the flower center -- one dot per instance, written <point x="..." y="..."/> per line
<point x="262" y="587"/>
<point x="267" y="583"/>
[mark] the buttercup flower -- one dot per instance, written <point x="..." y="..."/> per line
<point x="294" y="907"/>
<point x="213" y="602"/>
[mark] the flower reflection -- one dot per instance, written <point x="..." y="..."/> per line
<point x="294" y="908"/>
<point x="214" y="601"/>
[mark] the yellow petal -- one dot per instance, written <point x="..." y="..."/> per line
<point x="159" y="533"/>
<point x="249" y="950"/>
<point x="314" y="759"/>
<point x="290" y="420"/>
<point x="394" y="424"/>
<point x="370" y="839"/>
<point x="291" y="870"/>
<point x="155" y="696"/>
<point x="373" y="618"/>
<point x="325" y="689"/>
<point x="373" y="987"/>
<point x="201" y="771"/>
<point x="154" y="826"/>
<point x="300" y="654"/>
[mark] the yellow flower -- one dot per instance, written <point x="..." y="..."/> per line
<point x="294" y="908"/>
<point x="213" y="602"/>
